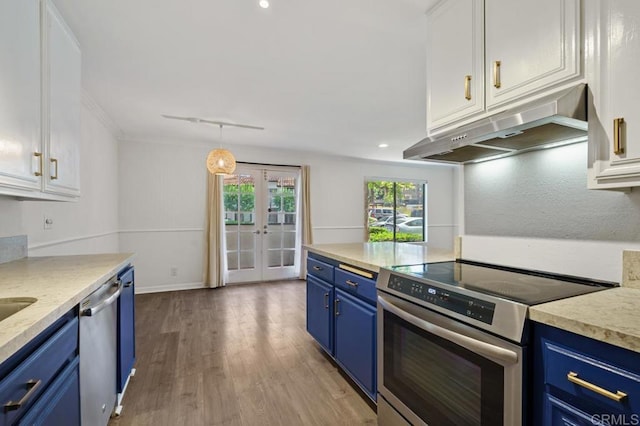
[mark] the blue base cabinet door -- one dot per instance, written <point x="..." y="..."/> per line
<point x="319" y="312"/>
<point x="355" y="345"/>
<point x="60" y="404"/>
<point x="126" y="328"/>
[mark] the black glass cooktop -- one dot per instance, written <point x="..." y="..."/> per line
<point x="527" y="287"/>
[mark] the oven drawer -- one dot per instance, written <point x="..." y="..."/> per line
<point x="591" y="380"/>
<point x="320" y="269"/>
<point x="357" y="284"/>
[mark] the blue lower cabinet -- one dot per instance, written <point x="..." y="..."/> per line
<point x="557" y="412"/>
<point x="319" y="312"/>
<point x="355" y="342"/>
<point x="581" y="381"/>
<point x="126" y="328"/>
<point x="60" y="404"/>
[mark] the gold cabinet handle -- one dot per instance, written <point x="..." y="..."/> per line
<point x="352" y="283"/>
<point x="467" y="87"/>
<point x="573" y="378"/>
<point x="38" y="155"/>
<point x="55" y="163"/>
<point x="32" y="386"/>
<point x="326" y="300"/>
<point x="496" y="74"/>
<point x="618" y="124"/>
<point x="336" y="309"/>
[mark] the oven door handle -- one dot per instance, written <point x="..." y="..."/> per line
<point x="474" y="345"/>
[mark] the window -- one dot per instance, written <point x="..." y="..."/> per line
<point x="395" y="210"/>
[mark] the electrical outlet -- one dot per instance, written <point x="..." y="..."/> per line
<point x="48" y="223"/>
<point x="174" y="271"/>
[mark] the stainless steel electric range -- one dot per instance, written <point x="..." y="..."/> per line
<point x="452" y="341"/>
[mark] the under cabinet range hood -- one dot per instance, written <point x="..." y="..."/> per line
<point x="554" y="120"/>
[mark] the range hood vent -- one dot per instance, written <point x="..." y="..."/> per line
<point x="554" y="120"/>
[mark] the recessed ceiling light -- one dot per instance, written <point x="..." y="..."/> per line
<point x="383" y="145"/>
<point x="264" y="4"/>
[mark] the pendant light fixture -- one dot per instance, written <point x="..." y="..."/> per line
<point x="221" y="161"/>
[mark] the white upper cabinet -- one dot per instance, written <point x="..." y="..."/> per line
<point x="613" y="35"/>
<point x="63" y="101"/>
<point x="512" y="50"/>
<point x="20" y="126"/>
<point x="530" y="46"/>
<point x="455" y="68"/>
<point x="40" y="94"/>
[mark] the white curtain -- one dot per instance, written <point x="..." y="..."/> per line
<point x="304" y="231"/>
<point x="215" y="259"/>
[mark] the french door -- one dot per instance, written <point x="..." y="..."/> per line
<point x="261" y="223"/>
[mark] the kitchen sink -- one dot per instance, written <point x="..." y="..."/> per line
<point x="11" y="305"/>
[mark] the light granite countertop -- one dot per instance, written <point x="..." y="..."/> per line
<point x="373" y="256"/>
<point x="58" y="283"/>
<point x="611" y="316"/>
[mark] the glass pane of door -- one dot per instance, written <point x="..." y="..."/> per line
<point x="240" y="226"/>
<point x="281" y="218"/>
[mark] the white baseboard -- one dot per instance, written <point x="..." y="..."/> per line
<point x="168" y="287"/>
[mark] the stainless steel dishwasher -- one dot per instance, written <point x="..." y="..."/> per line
<point x="98" y="353"/>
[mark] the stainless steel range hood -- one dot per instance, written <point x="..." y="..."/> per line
<point x="557" y="119"/>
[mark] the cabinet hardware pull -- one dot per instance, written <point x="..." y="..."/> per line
<point x="32" y="386"/>
<point x="356" y="271"/>
<point x="573" y="378"/>
<point x="467" y="87"/>
<point x="326" y="300"/>
<point x="257" y="232"/>
<point x="496" y="74"/>
<point x="128" y="284"/>
<point x="55" y="162"/>
<point x="335" y="307"/>
<point x="317" y="268"/>
<point x="352" y="283"/>
<point x="618" y="123"/>
<point x="39" y="156"/>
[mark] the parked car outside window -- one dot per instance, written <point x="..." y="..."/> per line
<point x="388" y="220"/>
<point x="411" y="226"/>
<point x="380" y="212"/>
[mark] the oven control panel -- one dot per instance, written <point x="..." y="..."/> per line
<point x="471" y="307"/>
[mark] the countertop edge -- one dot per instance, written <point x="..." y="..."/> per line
<point x="590" y="328"/>
<point x="13" y="345"/>
<point x="341" y="258"/>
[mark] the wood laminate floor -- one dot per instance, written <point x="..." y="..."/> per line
<point x="239" y="355"/>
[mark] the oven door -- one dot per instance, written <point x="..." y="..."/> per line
<point x="437" y="371"/>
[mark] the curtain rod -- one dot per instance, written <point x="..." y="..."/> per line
<point x="266" y="164"/>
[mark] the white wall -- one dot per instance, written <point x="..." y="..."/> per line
<point x="162" y="203"/>
<point x="89" y="225"/>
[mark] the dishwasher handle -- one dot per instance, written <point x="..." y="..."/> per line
<point x="89" y="312"/>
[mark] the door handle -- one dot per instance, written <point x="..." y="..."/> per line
<point x="618" y="123"/>
<point x="467" y="87"/>
<point x="326" y="300"/>
<point x="89" y="312"/>
<point x="257" y="232"/>
<point x="264" y="232"/>
<point x="336" y="308"/>
<point x="496" y="74"/>
<point x="32" y="386"/>
<point x="55" y="162"/>
<point x="38" y="155"/>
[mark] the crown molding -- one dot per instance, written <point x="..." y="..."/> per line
<point x="90" y="103"/>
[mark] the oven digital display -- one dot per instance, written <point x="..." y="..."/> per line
<point x="471" y="307"/>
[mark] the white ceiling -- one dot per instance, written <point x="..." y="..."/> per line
<point x="337" y="76"/>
